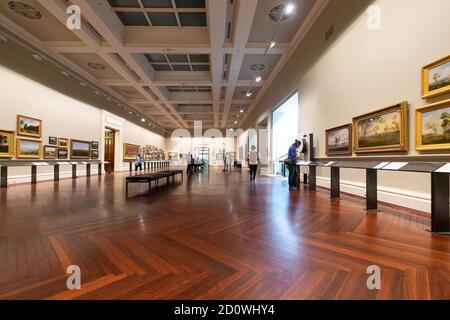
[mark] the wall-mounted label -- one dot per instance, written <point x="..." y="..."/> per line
<point x="444" y="169"/>
<point x="381" y="165"/>
<point x="395" y="165"/>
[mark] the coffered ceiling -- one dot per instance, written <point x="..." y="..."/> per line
<point x="175" y="61"/>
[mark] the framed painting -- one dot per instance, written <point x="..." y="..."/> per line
<point x="28" y="149"/>
<point x="63" y="153"/>
<point x="29" y="127"/>
<point x="433" y="127"/>
<point x="50" y="152"/>
<point x="6" y="144"/>
<point x="130" y="151"/>
<point x="338" y="140"/>
<point x="80" y="149"/>
<point x="94" y="154"/>
<point x="385" y="130"/>
<point x="94" y="145"/>
<point x="53" y="141"/>
<point x="63" y="142"/>
<point x="436" y="78"/>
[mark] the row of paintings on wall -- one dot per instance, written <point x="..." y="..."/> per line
<point x="386" y="130"/>
<point x="31" y="148"/>
<point x="130" y="151"/>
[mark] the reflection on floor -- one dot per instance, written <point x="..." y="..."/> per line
<point x="212" y="235"/>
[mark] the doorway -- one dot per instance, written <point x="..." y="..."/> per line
<point x="202" y="153"/>
<point x="109" y="150"/>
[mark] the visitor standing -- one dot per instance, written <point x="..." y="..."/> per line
<point x="253" y="161"/>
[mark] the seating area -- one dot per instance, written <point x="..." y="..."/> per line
<point x="155" y="176"/>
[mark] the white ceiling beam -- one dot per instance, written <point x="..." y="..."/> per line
<point x="217" y="12"/>
<point x="109" y="26"/>
<point x="243" y="24"/>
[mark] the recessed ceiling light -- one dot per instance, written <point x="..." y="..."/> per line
<point x="235" y="122"/>
<point x="96" y="66"/>
<point x="237" y="116"/>
<point x="257" y="67"/>
<point x="143" y="120"/>
<point x="65" y="73"/>
<point x="272" y="44"/>
<point x="241" y="111"/>
<point x="289" y="9"/>
<point x="258" y="78"/>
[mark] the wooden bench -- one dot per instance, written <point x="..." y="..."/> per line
<point x="150" y="177"/>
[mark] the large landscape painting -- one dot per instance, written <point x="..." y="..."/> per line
<point x="383" y="130"/>
<point x="339" y="140"/>
<point x="28" y="149"/>
<point x="130" y="151"/>
<point x="30" y="127"/>
<point x="80" y="149"/>
<point x="436" y="78"/>
<point x="433" y="127"/>
<point x="6" y="144"/>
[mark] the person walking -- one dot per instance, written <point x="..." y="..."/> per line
<point x="228" y="161"/>
<point x="253" y="161"/>
<point x="291" y="163"/>
<point x="138" y="163"/>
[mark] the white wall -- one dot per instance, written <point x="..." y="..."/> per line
<point x="366" y="70"/>
<point x="62" y="116"/>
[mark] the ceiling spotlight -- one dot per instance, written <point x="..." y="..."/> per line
<point x="289" y="9"/>
<point x="272" y="44"/>
<point x="241" y="111"/>
<point x="97" y="93"/>
<point x="237" y="116"/>
<point x="143" y="120"/>
<point x="65" y="73"/>
<point x="37" y="57"/>
<point x="235" y="122"/>
<point x="249" y="93"/>
<point x="258" y="78"/>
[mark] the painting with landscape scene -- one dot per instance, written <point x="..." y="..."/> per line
<point x="130" y="151"/>
<point x="433" y="127"/>
<point x="30" y="127"/>
<point x="339" y="140"/>
<point x="436" y="78"/>
<point x="28" y="149"/>
<point x="382" y="131"/>
<point x="80" y="149"/>
<point x="6" y="144"/>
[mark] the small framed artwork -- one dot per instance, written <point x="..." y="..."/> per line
<point x="63" y="153"/>
<point x="53" y="141"/>
<point x="94" y="145"/>
<point x="385" y="130"/>
<point x="29" y="127"/>
<point x="130" y="151"/>
<point x="80" y="149"/>
<point x="338" y="140"/>
<point x="28" y="149"/>
<point x="50" y="152"/>
<point x="433" y="127"/>
<point x="436" y="78"/>
<point x="94" y="154"/>
<point x="6" y="144"/>
<point x="63" y="142"/>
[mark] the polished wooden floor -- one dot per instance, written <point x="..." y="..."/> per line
<point x="211" y="236"/>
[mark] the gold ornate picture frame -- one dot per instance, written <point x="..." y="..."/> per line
<point x="436" y="78"/>
<point x="433" y="127"/>
<point x="384" y="130"/>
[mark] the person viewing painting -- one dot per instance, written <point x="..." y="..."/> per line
<point x="291" y="164"/>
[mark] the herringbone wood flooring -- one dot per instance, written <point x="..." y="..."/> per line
<point x="212" y="236"/>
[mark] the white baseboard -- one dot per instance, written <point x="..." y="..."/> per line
<point x="404" y="198"/>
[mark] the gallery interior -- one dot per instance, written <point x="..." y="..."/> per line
<point x="130" y="131"/>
